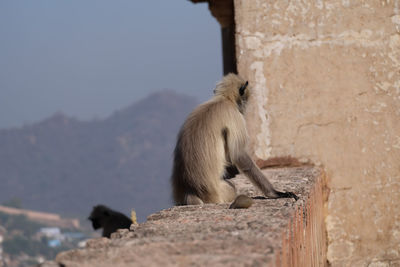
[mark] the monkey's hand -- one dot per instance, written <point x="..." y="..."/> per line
<point x="286" y="195"/>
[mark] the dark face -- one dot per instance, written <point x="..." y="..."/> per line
<point x="242" y="89"/>
<point x="98" y="216"/>
<point x="95" y="223"/>
<point x="243" y="97"/>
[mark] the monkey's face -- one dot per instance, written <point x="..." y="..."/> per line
<point x="99" y="216"/>
<point x="235" y="89"/>
<point x="244" y="93"/>
<point x="95" y="223"/>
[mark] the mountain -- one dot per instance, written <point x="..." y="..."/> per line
<point x="66" y="166"/>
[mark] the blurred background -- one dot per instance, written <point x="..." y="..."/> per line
<point x="92" y="95"/>
<point x="89" y="58"/>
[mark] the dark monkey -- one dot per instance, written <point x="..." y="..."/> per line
<point x="108" y="219"/>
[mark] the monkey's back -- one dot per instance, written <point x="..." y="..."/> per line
<point x="200" y="152"/>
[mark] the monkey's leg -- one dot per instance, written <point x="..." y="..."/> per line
<point x="227" y="191"/>
<point x="191" y="199"/>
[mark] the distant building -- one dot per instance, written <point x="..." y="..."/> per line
<point x="53" y="234"/>
<point x="56" y="237"/>
<point x="50" y="231"/>
<point x="54" y="243"/>
<point x="69" y="236"/>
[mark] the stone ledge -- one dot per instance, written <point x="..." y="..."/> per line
<point x="272" y="232"/>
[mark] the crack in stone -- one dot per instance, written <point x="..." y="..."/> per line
<point x="314" y="124"/>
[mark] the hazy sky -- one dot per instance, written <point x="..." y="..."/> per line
<point x="89" y="58"/>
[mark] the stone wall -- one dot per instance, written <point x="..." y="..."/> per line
<point x="304" y="242"/>
<point x="326" y="90"/>
<point x="272" y="232"/>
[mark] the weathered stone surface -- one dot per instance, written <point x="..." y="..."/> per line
<point x="48" y="264"/>
<point x="210" y="234"/>
<point x="326" y="83"/>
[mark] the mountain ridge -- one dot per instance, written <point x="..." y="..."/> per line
<point x="65" y="165"/>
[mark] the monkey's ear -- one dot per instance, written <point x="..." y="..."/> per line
<point x="242" y="88"/>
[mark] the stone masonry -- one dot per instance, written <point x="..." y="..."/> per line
<point x="326" y="82"/>
<point x="272" y="232"/>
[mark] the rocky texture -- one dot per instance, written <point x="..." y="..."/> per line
<point x="217" y="236"/>
<point x="326" y="89"/>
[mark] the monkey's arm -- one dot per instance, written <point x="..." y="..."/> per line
<point x="247" y="166"/>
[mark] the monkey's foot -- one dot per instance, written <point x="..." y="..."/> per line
<point x="286" y="195"/>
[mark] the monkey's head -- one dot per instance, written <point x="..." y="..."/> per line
<point x="98" y="216"/>
<point x="234" y="88"/>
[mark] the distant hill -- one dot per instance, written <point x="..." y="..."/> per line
<point x="66" y="166"/>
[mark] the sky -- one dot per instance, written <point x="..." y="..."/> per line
<point x="89" y="58"/>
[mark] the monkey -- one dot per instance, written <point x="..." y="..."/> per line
<point x="212" y="145"/>
<point x="241" y="202"/>
<point x="230" y="172"/>
<point x="108" y="219"/>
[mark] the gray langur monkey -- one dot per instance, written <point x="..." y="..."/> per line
<point x="211" y="147"/>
